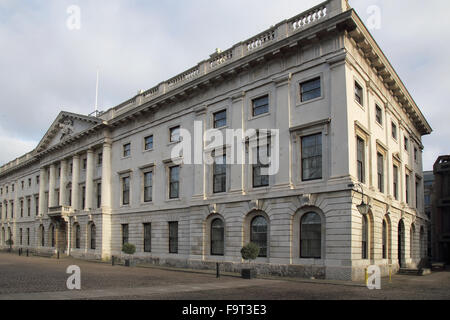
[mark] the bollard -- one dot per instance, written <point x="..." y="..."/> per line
<point x="217" y="270"/>
<point x="390" y="274"/>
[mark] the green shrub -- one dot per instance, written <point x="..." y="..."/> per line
<point x="250" y="251"/>
<point x="129" y="248"/>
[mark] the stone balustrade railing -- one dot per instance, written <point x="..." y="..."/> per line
<point x="220" y="58"/>
<point x="304" y="20"/>
<point x="260" y="40"/>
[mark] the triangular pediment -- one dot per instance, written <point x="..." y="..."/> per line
<point x="65" y="126"/>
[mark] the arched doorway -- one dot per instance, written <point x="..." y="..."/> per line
<point x="401" y="244"/>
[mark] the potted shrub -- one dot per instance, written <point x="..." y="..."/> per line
<point x="249" y="253"/>
<point x="9" y="243"/>
<point x="129" y="249"/>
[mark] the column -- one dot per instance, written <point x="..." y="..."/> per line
<point x="51" y="187"/>
<point x="42" y="184"/>
<point x="106" y="201"/>
<point x="75" y="182"/>
<point x="106" y="176"/>
<point x="89" y="180"/>
<point x="63" y="184"/>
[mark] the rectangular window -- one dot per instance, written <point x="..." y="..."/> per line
<point x="407" y="183"/>
<point x="220" y="174"/>
<point x="99" y="159"/>
<point x="29" y="182"/>
<point x="394" y="131"/>
<point x="99" y="195"/>
<point x="37" y="179"/>
<point x="28" y="236"/>
<point x="379" y="114"/>
<point x="84" y="164"/>
<point x="124" y="234"/>
<point x="12" y="209"/>
<point x="148" y="186"/>
<point x="415" y="154"/>
<point x="22" y="184"/>
<point x="83" y="198"/>
<point x="310" y="90"/>
<point x="29" y="207"/>
<point x="21" y="208"/>
<point x="20" y="236"/>
<point x="380" y="172"/>
<point x="220" y="119"/>
<point x="260" y="179"/>
<point x="126" y="191"/>
<point x="36" y="202"/>
<point x="361" y="160"/>
<point x="406" y="144"/>
<point x="148" y="143"/>
<point x="175" y="134"/>
<point x="312" y="157"/>
<point x="173" y="237"/>
<point x="174" y="182"/>
<point x="358" y="93"/>
<point x="147" y="237"/>
<point x="417" y="193"/>
<point x="395" y="185"/>
<point x="127" y="150"/>
<point x="260" y="106"/>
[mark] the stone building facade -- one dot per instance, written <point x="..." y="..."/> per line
<point x="348" y="131"/>
<point x="440" y="210"/>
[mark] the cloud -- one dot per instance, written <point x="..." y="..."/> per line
<point x="137" y="44"/>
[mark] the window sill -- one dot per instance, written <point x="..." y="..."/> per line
<point x="252" y="117"/>
<point x="302" y="103"/>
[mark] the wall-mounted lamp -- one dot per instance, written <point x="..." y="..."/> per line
<point x="363" y="208"/>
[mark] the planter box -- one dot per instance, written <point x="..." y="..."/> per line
<point x="248" y="273"/>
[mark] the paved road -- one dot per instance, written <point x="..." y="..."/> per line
<point x="42" y="278"/>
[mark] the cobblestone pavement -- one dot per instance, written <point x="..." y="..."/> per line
<point x="42" y="278"/>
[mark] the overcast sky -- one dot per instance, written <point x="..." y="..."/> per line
<point x="45" y="67"/>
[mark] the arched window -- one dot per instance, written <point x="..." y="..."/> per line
<point x="3" y="235"/>
<point x="217" y="237"/>
<point x="365" y="237"/>
<point x="385" y="237"/>
<point x="258" y="234"/>
<point x="311" y="236"/>
<point x="93" y="236"/>
<point x="77" y="236"/>
<point x="42" y="235"/>
<point x="401" y="243"/>
<point x="52" y="235"/>
<point x="423" y="243"/>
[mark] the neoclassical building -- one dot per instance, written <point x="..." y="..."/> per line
<point x="349" y="131"/>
